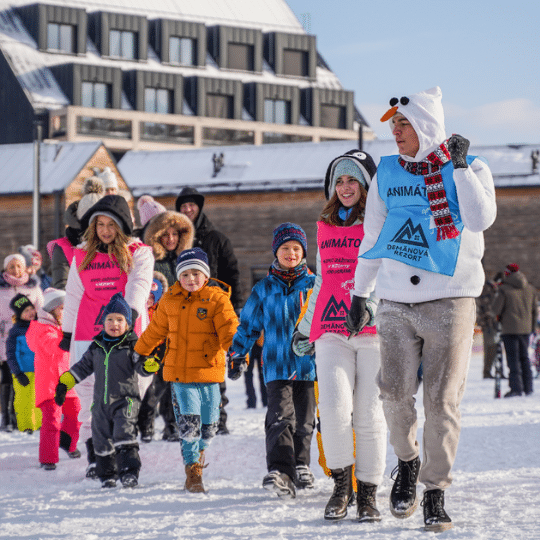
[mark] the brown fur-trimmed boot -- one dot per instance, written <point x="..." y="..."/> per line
<point x="194" y="482"/>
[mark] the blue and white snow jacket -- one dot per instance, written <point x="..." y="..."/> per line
<point x="274" y="307"/>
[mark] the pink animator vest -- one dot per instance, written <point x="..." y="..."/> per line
<point x="101" y="279"/>
<point x="64" y="244"/>
<point x="338" y="250"/>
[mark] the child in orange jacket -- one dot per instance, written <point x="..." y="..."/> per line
<point x="198" y="320"/>
<point x="50" y="362"/>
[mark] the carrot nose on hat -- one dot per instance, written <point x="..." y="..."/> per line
<point x="388" y="114"/>
<point x="394" y="103"/>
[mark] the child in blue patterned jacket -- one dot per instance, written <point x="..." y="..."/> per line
<point x="274" y="306"/>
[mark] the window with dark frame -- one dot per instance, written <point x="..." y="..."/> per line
<point x="96" y="95"/>
<point x="219" y="106"/>
<point x="295" y="63"/>
<point x="277" y="111"/>
<point x="123" y="44"/>
<point x="182" y="51"/>
<point x="61" y="37"/>
<point x="158" y="100"/>
<point x="240" y="56"/>
<point x="332" y="116"/>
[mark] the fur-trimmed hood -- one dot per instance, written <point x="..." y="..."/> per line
<point x="157" y="226"/>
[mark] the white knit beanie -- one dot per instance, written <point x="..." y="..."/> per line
<point x="17" y="256"/>
<point x="52" y="298"/>
<point x="148" y="208"/>
<point x="92" y="191"/>
<point x="109" y="178"/>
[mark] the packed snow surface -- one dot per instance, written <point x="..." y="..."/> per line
<point x="495" y="494"/>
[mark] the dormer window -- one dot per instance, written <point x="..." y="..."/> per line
<point x="61" y="37"/>
<point x="123" y="44"/>
<point x="182" y="51"/>
<point x="158" y="100"/>
<point x="240" y="56"/>
<point x="277" y="111"/>
<point x="96" y="95"/>
<point x="295" y="63"/>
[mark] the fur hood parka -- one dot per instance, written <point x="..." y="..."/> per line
<point x="165" y="261"/>
<point x="160" y="223"/>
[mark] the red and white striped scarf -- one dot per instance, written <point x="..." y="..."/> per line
<point x="430" y="169"/>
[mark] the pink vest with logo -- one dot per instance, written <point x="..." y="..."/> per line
<point x="338" y="251"/>
<point x="64" y="244"/>
<point x="101" y="279"/>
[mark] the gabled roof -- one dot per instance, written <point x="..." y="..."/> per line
<point x="60" y="165"/>
<point x="31" y="66"/>
<point x="284" y="167"/>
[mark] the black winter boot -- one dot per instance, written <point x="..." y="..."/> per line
<point x="91" y="456"/>
<point x="403" y="499"/>
<point x="435" y="518"/>
<point x="366" y="500"/>
<point x="336" y="508"/>
<point x="65" y="443"/>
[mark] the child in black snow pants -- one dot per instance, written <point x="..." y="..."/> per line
<point x="116" y="394"/>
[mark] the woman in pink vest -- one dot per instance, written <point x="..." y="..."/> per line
<point x="346" y="364"/>
<point x="106" y="262"/>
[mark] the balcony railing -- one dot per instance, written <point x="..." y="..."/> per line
<point x="135" y="130"/>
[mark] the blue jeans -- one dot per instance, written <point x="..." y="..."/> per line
<point x="196" y="408"/>
<point x="519" y="366"/>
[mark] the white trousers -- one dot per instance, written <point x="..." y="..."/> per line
<point x="349" y="400"/>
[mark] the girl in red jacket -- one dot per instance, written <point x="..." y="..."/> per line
<point x="50" y="362"/>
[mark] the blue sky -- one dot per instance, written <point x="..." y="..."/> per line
<point x="484" y="55"/>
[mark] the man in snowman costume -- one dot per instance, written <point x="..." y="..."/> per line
<point x="425" y="216"/>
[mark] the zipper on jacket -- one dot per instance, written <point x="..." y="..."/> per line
<point x="130" y="407"/>
<point x="106" y="364"/>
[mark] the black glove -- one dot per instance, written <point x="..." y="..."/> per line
<point x="458" y="147"/>
<point x="22" y="378"/>
<point x="236" y="366"/>
<point x="134" y="316"/>
<point x="60" y="394"/>
<point x="65" y="341"/>
<point x="358" y="316"/>
<point x="300" y="344"/>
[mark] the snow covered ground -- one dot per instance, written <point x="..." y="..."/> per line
<point x="495" y="495"/>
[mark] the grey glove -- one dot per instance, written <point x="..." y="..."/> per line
<point x="300" y="344"/>
<point x="357" y="317"/>
<point x="458" y="147"/>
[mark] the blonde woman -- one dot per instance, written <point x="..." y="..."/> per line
<point x="106" y="262"/>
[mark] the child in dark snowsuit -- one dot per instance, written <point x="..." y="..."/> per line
<point x="116" y="394"/>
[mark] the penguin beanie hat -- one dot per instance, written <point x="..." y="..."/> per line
<point x="355" y="163"/>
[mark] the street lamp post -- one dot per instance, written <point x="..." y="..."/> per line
<point x="36" y="193"/>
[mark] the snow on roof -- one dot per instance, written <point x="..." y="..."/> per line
<point x="60" y="165"/>
<point x="284" y="167"/>
<point x="31" y="66"/>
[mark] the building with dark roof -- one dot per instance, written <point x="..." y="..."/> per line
<point x="167" y="74"/>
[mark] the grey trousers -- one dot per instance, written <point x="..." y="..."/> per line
<point x="439" y="335"/>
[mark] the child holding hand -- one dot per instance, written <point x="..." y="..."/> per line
<point x="116" y="394"/>
<point x="198" y="320"/>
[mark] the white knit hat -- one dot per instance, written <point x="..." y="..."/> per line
<point x="148" y="208"/>
<point x="17" y="256"/>
<point x="52" y="298"/>
<point x="92" y="191"/>
<point x="109" y="178"/>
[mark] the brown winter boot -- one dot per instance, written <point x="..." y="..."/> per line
<point x="366" y="500"/>
<point x="336" y="508"/>
<point x="194" y="483"/>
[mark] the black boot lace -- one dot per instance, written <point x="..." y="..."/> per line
<point x="405" y="477"/>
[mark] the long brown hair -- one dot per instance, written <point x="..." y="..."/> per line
<point x="118" y="247"/>
<point x="330" y="216"/>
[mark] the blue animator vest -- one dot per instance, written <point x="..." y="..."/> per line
<point x="409" y="234"/>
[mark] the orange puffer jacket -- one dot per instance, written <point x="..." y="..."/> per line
<point x="198" y="327"/>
